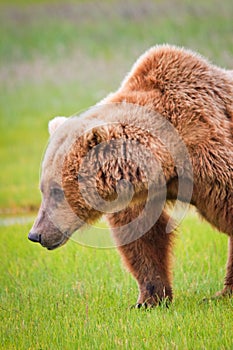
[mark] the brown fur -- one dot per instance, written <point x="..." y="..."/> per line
<point x="197" y="98"/>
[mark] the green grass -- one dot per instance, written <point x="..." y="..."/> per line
<point x="79" y="298"/>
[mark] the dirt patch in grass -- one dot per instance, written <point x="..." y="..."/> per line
<point x="94" y="38"/>
<point x="92" y="10"/>
<point x="78" y="66"/>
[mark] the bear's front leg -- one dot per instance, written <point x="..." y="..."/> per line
<point x="147" y="258"/>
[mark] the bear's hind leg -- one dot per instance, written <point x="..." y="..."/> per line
<point x="148" y="258"/>
<point x="228" y="285"/>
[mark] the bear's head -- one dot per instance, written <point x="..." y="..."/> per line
<point x="70" y="172"/>
<point x="49" y="228"/>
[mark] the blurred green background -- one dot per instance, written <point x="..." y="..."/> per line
<point x="58" y="58"/>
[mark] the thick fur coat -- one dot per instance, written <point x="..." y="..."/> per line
<point x="196" y="98"/>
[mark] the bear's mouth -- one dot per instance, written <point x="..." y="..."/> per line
<point x="59" y="244"/>
<point x="54" y="246"/>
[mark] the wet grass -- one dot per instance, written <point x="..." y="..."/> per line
<point x="79" y="297"/>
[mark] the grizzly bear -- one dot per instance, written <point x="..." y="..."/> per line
<point x="165" y="135"/>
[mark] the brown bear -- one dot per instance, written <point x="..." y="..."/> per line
<point x="165" y="134"/>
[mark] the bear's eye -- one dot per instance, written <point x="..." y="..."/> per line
<point x="57" y="194"/>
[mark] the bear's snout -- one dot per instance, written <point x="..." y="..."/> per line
<point x="46" y="232"/>
<point x="34" y="237"/>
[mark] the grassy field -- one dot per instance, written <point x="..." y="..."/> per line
<point x="79" y="298"/>
<point x="59" y="58"/>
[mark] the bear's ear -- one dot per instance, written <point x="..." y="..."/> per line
<point x="55" y="123"/>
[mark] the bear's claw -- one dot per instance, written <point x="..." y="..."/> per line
<point x="143" y="306"/>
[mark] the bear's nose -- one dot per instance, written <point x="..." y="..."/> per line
<point x="34" y="237"/>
